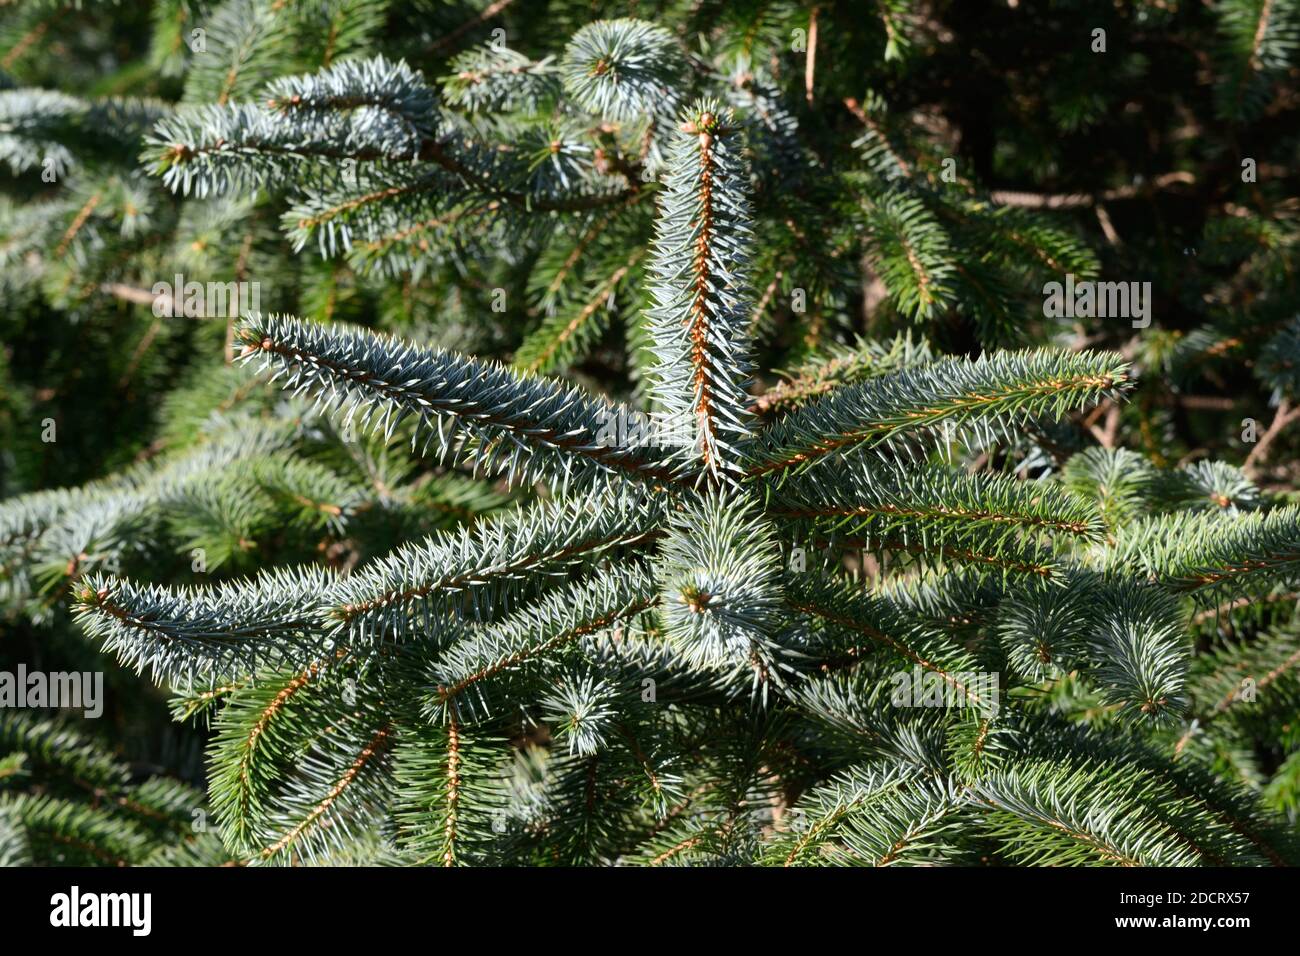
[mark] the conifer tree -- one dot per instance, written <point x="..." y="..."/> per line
<point x="654" y="441"/>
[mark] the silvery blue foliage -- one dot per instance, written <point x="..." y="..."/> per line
<point x="699" y="322"/>
<point x="623" y="70"/>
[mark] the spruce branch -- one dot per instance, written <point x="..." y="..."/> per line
<point x="623" y="69"/>
<point x="1207" y="553"/>
<point x="853" y="616"/>
<point x="1079" y="816"/>
<point x="1014" y="386"/>
<point x="699" y="323"/>
<point x="557" y="619"/>
<point x="889" y="503"/>
<point x="474" y="571"/>
<point x="212" y="633"/>
<point x="527" y="428"/>
<point x="719" y="574"/>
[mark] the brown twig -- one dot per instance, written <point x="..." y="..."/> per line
<point x="810" y="63"/>
<point x="1284" y="416"/>
<point x="488" y="13"/>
